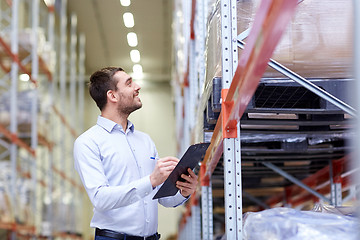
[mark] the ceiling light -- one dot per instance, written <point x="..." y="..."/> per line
<point x="137" y="71"/>
<point x="135" y="56"/>
<point x="125" y="3"/>
<point x="49" y="2"/>
<point x="128" y="20"/>
<point x="24" y="77"/>
<point x="132" y="39"/>
<point x="137" y="68"/>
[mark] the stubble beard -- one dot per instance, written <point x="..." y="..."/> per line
<point x="127" y="110"/>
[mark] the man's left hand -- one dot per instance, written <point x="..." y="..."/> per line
<point x="189" y="186"/>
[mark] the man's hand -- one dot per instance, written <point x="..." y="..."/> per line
<point x="189" y="186"/>
<point x="163" y="168"/>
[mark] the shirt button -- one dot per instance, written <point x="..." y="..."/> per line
<point x="145" y="203"/>
<point x="147" y="221"/>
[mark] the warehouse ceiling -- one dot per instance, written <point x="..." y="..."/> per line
<point x="106" y="36"/>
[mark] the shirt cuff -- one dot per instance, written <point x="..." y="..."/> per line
<point x="180" y="198"/>
<point x="144" y="186"/>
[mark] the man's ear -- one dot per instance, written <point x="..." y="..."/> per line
<point x="111" y="96"/>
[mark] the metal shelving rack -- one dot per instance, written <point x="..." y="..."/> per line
<point x="38" y="150"/>
<point x="223" y="160"/>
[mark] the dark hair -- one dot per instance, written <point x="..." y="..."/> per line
<point x="100" y="82"/>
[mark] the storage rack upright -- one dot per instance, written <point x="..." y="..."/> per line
<point x="31" y="140"/>
<point x="334" y="178"/>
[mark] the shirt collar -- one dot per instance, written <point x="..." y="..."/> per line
<point x="109" y="125"/>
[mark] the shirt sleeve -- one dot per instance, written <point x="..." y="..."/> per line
<point x="173" y="201"/>
<point x="103" y="196"/>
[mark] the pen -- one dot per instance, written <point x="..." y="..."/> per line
<point x="154" y="158"/>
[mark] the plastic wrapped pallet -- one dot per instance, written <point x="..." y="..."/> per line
<point x="291" y="224"/>
<point x="44" y="50"/>
<point x="23" y="109"/>
<point x="316" y="44"/>
<point x="6" y="213"/>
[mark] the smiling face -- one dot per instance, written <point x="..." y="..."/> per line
<point x="127" y="92"/>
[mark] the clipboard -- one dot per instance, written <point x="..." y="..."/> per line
<point x="193" y="155"/>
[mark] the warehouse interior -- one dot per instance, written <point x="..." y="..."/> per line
<point x="269" y="85"/>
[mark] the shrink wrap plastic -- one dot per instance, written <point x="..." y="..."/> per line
<point x="26" y="43"/>
<point x="291" y="224"/>
<point x="316" y="44"/>
<point x="24" y="193"/>
<point x="23" y="111"/>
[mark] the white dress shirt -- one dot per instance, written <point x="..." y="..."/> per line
<point x="115" y="166"/>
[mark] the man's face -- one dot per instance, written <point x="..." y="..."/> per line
<point x="128" y="92"/>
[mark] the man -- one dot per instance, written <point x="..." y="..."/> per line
<point x="119" y="166"/>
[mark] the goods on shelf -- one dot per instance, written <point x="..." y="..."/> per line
<point x="309" y="47"/>
<point x="288" y="223"/>
<point x="293" y="129"/>
<point x="44" y="50"/>
<point x="24" y="193"/>
<point x="284" y="122"/>
<point x="24" y="102"/>
<point x="6" y="214"/>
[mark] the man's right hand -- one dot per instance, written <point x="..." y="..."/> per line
<point x="163" y="168"/>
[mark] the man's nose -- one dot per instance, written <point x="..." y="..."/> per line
<point x="137" y="87"/>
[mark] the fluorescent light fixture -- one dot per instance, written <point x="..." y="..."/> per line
<point x="135" y="56"/>
<point x="125" y="3"/>
<point x="128" y="19"/>
<point x="137" y="71"/>
<point x="24" y="77"/>
<point x="49" y="2"/>
<point x="137" y="68"/>
<point x="132" y="39"/>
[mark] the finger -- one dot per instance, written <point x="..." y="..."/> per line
<point x="164" y="161"/>
<point x="170" y="159"/>
<point x="186" y="191"/>
<point x="191" y="179"/>
<point x="167" y="164"/>
<point x="191" y="172"/>
<point x="180" y="184"/>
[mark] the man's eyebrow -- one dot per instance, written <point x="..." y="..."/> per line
<point x="128" y="80"/>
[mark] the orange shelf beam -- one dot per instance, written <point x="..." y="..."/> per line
<point x="16" y="59"/>
<point x="296" y="195"/>
<point x="14" y="139"/>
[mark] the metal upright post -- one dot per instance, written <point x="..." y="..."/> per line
<point x="231" y="153"/>
<point x="73" y="44"/>
<point x="207" y="211"/>
<point x="335" y="188"/>
<point x="206" y="187"/>
<point x="81" y="82"/>
<point x="34" y="108"/>
<point x="193" y="91"/>
<point x="356" y="95"/>
<point x="62" y="74"/>
<point x="13" y="104"/>
<point x="200" y="42"/>
<point x="196" y="219"/>
<point x="50" y="212"/>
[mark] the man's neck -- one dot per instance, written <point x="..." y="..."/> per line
<point x="118" y="118"/>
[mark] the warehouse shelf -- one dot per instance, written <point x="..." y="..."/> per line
<point x="34" y="146"/>
<point x="272" y="134"/>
